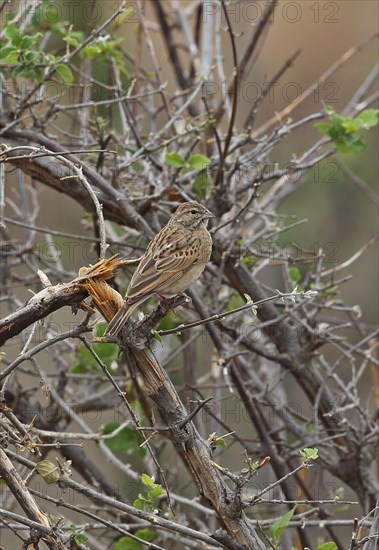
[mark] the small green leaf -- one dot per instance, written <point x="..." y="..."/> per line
<point x="56" y="520"/>
<point x="28" y="41"/>
<point x="169" y="321"/>
<point x="324" y="127"/>
<point x="108" y="353"/>
<point x="156" y="492"/>
<point x="38" y="73"/>
<point x="201" y="76"/>
<point x="367" y="119"/>
<point x="248" y="260"/>
<point x="201" y="185"/>
<point x="343" y="130"/>
<point x="148" y="481"/>
<point x="142" y="503"/>
<point x="6" y="50"/>
<point x="295" y="274"/>
<point x="221" y="442"/>
<point x="175" y="160"/>
<point x="13" y="34"/>
<point x="74" y="38"/>
<point x="64" y="74"/>
<point x="127" y="440"/>
<point x="12" y="58"/>
<point x="33" y="57"/>
<point x="350" y="144"/>
<point x="280" y="525"/>
<point x="126" y="543"/>
<point x="327" y="546"/>
<point x="146" y="534"/>
<point x="309" y="453"/>
<point x="71" y="40"/>
<point x="199" y="162"/>
<point x="80" y="538"/>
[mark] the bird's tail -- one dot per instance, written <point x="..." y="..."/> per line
<point x="121" y="317"/>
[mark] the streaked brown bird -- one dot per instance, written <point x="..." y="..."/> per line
<point x="173" y="261"/>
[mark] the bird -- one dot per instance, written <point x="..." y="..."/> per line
<point x="173" y="261"/>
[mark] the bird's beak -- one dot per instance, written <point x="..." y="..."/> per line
<point x="208" y="214"/>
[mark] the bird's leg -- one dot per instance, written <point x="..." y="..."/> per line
<point x="179" y="295"/>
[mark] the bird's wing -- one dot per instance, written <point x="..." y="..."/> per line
<point x="163" y="265"/>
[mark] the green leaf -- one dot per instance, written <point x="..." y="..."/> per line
<point x="38" y="73"/>
<point x="125" y="441"/>
<point x="201" y="76"/>
<point x="169" y="321"/>
<point x="146" y="534"/>
<point x="142" y="503"/>
<point x="148" y="481"/>
<point x="74" y="38"/>
<point x="6" y="50"/>
<point x="221" y="442"/>
<point x="343" y="130"/>
<point x="201" y="185"/>
<point x="126" y="543"/>
<point x="71" y="40"/>
<point x="175" y="160"/>
<point x="64" y="74"/>
<point x="324" y="127"/>
<point x="281" y="524"/>
<point x="33" y="57"/>
<point x="309" y="453"/>
<point x="80" y="538"/>
<point x="327" y="546"/>
<point x="350" y="125"/>
<point x="92" y="51"/>
<point x="156" y="492"/>
<point x="350" y="144"/>
<point x="199" y="162"/>
<point x="13" y="34"/>
<point x="295" y="274"/>
<point x="28" y="41"/>
<point x="12" y="58"/>
<point x="20" y="70"/>
<point x="108" y="353"/>
<point x="367" y="119"/>
<point x="248" y="260"/>
<point x="79" y="369"/>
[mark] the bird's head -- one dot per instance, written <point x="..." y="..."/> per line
<point x="192" y="215"/>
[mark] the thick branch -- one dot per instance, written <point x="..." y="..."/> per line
<point x="195" y="451"/>
<point x="47" y="301"/>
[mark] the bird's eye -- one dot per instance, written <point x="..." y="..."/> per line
<point x="194" y="212"/>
